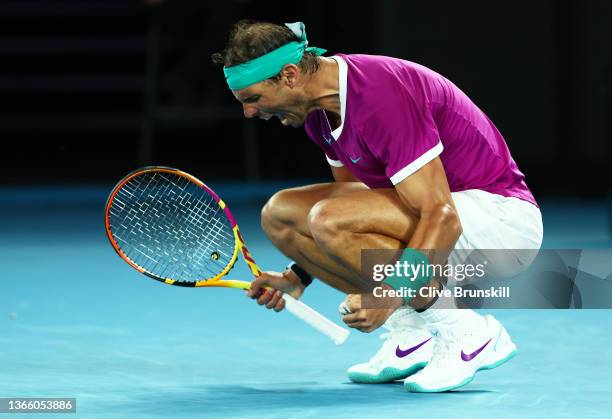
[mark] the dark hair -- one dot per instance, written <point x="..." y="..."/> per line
<point x="249" y="39"/>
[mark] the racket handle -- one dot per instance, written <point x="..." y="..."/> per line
<point x="336" y="333"/>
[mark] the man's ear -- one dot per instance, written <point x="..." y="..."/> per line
<point x="290" y="73"/>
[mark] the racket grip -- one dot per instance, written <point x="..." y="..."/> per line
<point x="316" y="320"/>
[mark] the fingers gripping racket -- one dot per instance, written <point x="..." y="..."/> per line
<point x="173" y="228"/>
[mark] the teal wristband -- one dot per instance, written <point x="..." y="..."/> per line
<point x="420" y="274"/>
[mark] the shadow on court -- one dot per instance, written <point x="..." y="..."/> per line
<point x="285" y="400"/>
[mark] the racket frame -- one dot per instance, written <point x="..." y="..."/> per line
<point x="239" y="244"/>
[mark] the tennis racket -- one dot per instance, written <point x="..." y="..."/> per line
<point x="173" y="228"/>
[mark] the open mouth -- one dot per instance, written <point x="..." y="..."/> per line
<point x="281" y="117"/>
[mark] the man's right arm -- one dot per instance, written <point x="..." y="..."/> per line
<point x="287" y="282"/>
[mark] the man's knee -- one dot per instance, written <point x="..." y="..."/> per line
<point x="278" y="214"/>
<point x="326" y="223"/>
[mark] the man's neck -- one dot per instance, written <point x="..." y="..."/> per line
<point x="324" y="89"/>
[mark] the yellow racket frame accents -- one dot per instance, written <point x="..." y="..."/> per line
<point x="239" y="244"/>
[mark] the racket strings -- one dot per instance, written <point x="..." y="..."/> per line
<point x="171" y="227"/>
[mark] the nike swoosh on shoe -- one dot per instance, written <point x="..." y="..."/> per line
<point x="469" y="357"/>
<point x="402" y="353"/>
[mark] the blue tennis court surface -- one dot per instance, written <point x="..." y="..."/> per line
<point x="75" y="321"/>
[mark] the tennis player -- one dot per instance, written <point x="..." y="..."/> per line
<point x="417" y="165"/>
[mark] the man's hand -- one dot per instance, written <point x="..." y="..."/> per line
<point x="280" y="283"/>
<point x="368" y="319"/>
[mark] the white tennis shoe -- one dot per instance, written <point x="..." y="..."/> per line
<point x="406" y="349"/>
<point x="459" y="352"/>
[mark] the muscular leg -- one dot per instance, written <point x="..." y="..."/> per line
<point x="324" y="227"/>
<point x="285" y="220"/>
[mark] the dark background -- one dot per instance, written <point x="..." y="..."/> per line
<point x="94" y="89"/>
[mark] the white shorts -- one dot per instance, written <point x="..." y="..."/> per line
<point x="495" y="222"/>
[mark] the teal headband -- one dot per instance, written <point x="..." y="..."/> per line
<point x="270" y="64"/>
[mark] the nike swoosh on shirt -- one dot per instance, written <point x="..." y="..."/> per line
<point x="402" y="353"/>
<point x="469" y="357"/>
<point x="355" y="160"/>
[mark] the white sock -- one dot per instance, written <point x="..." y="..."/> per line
<point x="402" y="318"/>
<point x="451" y="317"/>
<point x="445" y="312"/>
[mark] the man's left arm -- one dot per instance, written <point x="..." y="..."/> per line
<point x="426" y="194"/>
